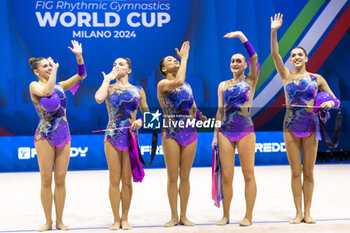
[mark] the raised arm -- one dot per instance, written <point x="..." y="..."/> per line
<point x="143" y="107"/>
<point x="253" y="57"/>
<point x="102" y="92"/>
<point x="167" y="85"/>
<point x="219" y="113"/>
<point x="276" y="23"/>
<point x="43" y="91"/>
<point x="78" y="51"/>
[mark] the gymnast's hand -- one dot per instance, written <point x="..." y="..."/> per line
<point x="136" y="124"/>
<point x="276" y="23"/>
<point x="183" y="53"/>
<point x="215" y="142"/>
<point x="52" y="63"/>
<point x="327" y="105"/>
<point x="202" y="117"/>
<point x="238" y="34"/>
<point x="77" y="48"/>
<point x="112" y="75"/>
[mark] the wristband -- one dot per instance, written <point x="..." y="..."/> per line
<point x="249" y="48"/>
<point x="82" y="70"/>
<point x="81" y="73"/>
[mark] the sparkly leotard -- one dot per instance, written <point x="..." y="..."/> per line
<point x="122" y="107"/>
<point x="301" y="92"/>
<point x="178" y="107"/>
<point x="235" y="124"/>
<point x="53" y="127"/>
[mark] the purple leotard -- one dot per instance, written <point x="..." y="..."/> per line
<point x="235" y="125"/>
<point x="178" y="107"/>
<point x="301" y="92"/>
<point x="53" y="127"/>
<point x="122" y="106"/>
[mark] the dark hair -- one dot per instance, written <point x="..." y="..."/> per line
<point x="299" y="47"/>
<point x="128" y="61"/>
<point x="245" y="59"/>
<point x="34" y="62"/>
<point x="161" y="65"/>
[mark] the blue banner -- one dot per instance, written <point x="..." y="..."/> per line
<point x="146" y="31"/>
<point x="87" y="152"/>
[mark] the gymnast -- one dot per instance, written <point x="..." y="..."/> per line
<point x="52" y="136"/>
<point x="179" y="143"/>
<point x="235" y="96"/>
<point x="299" y="127"/>
<point x="122" y="100"/>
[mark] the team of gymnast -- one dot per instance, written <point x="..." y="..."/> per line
<point x="235" y="96"/>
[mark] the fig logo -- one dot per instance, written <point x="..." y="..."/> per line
<point x="148" y="149"/>
<point x="26" y="152"/>
<point x="30" y="153"/>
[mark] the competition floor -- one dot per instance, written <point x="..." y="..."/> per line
<point x="88" y="209"/>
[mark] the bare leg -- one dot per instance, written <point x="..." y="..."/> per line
<point x="114" y="166"/>
<point x="46" y="156"/>
<point x="293" y="147"/>
<point x="309" y="145"/>
<point x="246" y="151"/>
<point x="186" y="160"/>
<point x="61" y="167"/>
<point x="126" y="193"/>
<point x="227" y="160"/>
<point x="172" y="160"/>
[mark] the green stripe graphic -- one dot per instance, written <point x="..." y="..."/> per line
<point x="289" y="38"/>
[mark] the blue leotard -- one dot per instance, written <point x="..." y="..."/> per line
<point x="301" y="92"/>
<point x="235" y="124"/>
<point x="53" y="127"/>
<point x="122" y="107"/>
<point x="178" y="106"/>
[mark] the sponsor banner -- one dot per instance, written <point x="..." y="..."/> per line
<point x="87" y="152"/>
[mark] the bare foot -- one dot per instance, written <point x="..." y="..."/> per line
<point x="223" y="221"/>
<point x="126" y="226"/>
<point x="45" y="227"/>
<point x="186" y="222"/>
<point x="296" y="220"/>
<point x="62" y="227"/>
<point x="309" y="220"/>
<point x="171" y="223"/>
<point x="115" y="226"/>
<point x="245" y="222"/>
